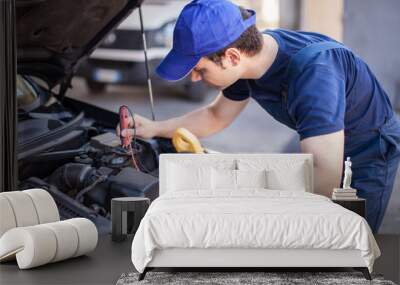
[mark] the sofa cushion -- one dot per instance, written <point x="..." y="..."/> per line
<point x="40" y="244"/>
<point x="7" y="217"/>
<point x="26" y="208"/>
<point x="23" y="208"/>
<point x="45" y="205"/>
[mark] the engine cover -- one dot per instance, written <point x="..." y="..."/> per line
<point x="132" y="183"/>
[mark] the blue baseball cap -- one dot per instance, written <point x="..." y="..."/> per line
<point x="203" y="27"/>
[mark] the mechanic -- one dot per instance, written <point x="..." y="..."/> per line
<point x="306" y="81"/>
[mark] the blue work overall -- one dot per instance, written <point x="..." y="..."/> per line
<point x="375" y="154"/>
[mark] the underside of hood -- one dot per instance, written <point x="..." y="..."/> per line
<point x="54" y="35"/>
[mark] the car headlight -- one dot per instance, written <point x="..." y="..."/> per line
<point x="164" y="36"/>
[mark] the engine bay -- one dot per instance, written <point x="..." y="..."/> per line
<point x="70" y="149"/>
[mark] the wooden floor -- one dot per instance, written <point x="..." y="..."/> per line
<point x="111" y="259"/>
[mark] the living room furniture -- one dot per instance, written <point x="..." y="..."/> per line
<point x="126" y="214"/>
<point x="247" y="210"/>
<point x="31" y="231"/>
<point x="357" y="205"/>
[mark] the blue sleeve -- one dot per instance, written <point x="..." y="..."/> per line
<point x="318" y="101"/>
<point x="238" y="91"/>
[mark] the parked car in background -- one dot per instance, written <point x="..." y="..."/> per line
<point x="119" y="59"/>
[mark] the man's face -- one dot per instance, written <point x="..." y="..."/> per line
<point x="216" y="75"/>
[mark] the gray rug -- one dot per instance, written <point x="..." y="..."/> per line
<point x="242" y="278"/>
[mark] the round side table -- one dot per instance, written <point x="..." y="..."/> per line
<point x="126" y="214"/>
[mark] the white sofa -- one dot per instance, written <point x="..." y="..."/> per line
<point x="247" y="210"/>
<point x="31" y="231"/>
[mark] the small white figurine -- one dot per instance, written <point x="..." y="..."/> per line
<point x="347" y="192"/>
<point x="347" y="174"/>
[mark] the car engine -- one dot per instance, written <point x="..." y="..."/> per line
<point x="77" y="157"/>
<point x="94" y="174"/>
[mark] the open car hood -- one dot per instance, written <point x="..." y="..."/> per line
<point x="53" y="36"/>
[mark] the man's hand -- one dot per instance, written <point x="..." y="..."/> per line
<point x="327" y="152"/>
<point x="145" y="128"/>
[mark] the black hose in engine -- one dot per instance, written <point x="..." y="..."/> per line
<point x="73" y="177"/>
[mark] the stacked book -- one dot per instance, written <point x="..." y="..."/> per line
<point x="344" y="194"/>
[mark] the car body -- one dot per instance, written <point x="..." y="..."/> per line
<point x="120" y="59"/>
<point x="66" y="146"/>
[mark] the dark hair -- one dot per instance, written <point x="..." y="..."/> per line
<point x="250" y="41"/>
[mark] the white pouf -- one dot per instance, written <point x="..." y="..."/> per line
<point x="7" y="218"/>
<point x="23" y="208"/>
<point x="45" y="206"/>
<point x="40" y="244"/>
<point x="31" y="230"/>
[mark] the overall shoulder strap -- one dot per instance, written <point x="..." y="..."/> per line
<point x="300" y="59"/>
